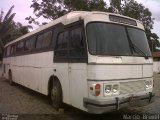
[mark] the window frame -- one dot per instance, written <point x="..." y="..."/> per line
<point x="114" y="24"/>
<point x="8" y="52"/>
<point x="49" y="45"/>
<point x="42" y="33"/>
<point x="21" y="49"/>
<point x="61" y="58"/>
<point x="28" y="39"/>
<point x="68" y="58"/>
<point x="82" y="58"/>
<point x="13" y="46"/>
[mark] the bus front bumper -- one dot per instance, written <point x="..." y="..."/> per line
<point x="98" y="107"/>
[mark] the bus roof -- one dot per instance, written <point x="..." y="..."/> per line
<point x="66" y="19"/>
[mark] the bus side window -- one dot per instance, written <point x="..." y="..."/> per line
<point x="39" y="41"/>
<point x="60" y="42"/>
<point x="76" y="42"/>
<point x="20" y="46"/>
<point x="61" y="48"/>
<point x="4" y="68"/>
<point x="47" y="39"/>
<point x="30" y="43"/>
<point x="5" y="52"/>
<point x="76" y="45"/>
<point x="27" y="44"/>
<point x="44" y="40"/>
<point x="12" y="49"/>
<point x="8" y="51"/>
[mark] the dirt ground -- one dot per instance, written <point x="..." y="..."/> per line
<point x="17" y="102"/>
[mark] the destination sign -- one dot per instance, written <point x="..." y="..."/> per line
<point x="122" y="20"/>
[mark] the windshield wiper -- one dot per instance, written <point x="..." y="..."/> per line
<point x="135" y="48"/>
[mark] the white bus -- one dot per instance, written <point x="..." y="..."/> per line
<point x="94" y="61"/>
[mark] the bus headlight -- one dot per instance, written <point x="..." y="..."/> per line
<point x="115" y="88"/>
<point x="108" y="89"/>
<point x="111" y="89"/>
<point x="148" y="84"/>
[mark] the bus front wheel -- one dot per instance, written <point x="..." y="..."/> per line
<point x="56" y="95"/>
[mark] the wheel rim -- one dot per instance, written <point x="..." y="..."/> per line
<point x="54" y="96"/>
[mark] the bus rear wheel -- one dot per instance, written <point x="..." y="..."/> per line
<point x="56" y="95"/>
<point x="10" y="77"/>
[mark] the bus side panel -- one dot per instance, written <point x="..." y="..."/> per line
<point x="14" y="69"/>
<point x="5" y="70"/>
<point x="47" y="70"/>
<point x="32" y="73"/>
<point x="62" y="75"/>
<point x="17" y="74"/>
<point x="46" y="74"/>
<point x="36" y="81"/>
<point x="78" y="84"/>
<point x="147" y="70"/>
<point x="43" y="62"/>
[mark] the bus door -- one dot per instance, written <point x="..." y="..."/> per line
<point x="70" y="59"/>
<point x="77" y="65"/>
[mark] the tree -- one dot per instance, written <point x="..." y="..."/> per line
<point x="20" y="29"/>
<point x="115" y="6"/>
<point x="133" y="9"/>
<point x="17" y="30"/>
<point x="154" y="42"/>
<point x="10" y="30"/>
<point x="52" y="9"/>
<point x="6" y="25"/>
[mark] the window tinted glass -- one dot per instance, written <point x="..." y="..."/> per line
<point x="27" y="44"/>
<point x="13" y="49"/>
<point x="138" y="37"/>
<point x="70" y="44"/>
<point x="5" y="52"/>
<point x="20" y="46"/>
<point x="8" y="50"/>
<point x="107" y="39"/>
<point x="44" y="40"/>
<point x="39" y="41"/>
<point x="76" y="42"/>
<point x="62" y="40"/>
<point x="76" y="39"/>
<point x="59" y="41"/>
<point x="30" y="43"/>
<point x="114" y="39"/>
<point x="47" y="39"/>
<point x="61" y="45"/>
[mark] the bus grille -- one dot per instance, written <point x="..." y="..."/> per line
<point x="132" y="87"/>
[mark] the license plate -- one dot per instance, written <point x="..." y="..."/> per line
<point x="134" y="101"/>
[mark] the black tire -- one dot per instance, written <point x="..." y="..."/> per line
<point x="10" y="78"/>
<point x="56" y="95"/>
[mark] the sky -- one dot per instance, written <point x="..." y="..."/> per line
<point x="23" y="10"/>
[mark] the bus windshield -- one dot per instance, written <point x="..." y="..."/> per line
<point x="116" y="40"/>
